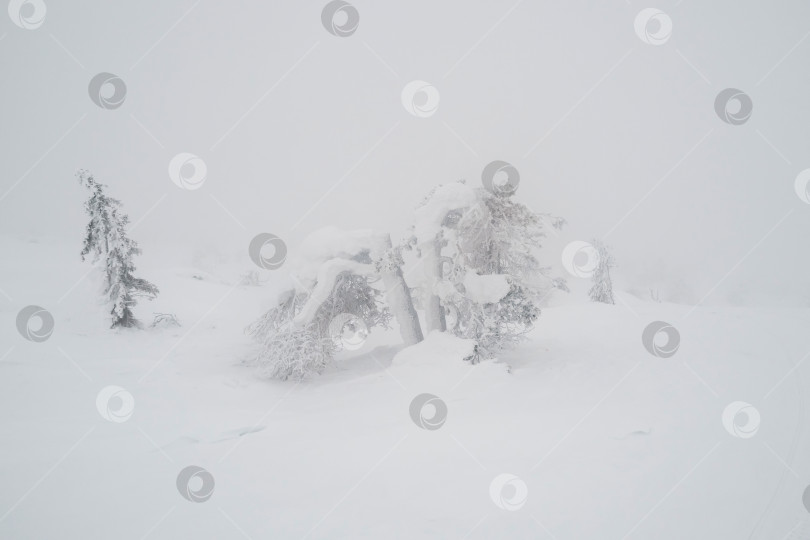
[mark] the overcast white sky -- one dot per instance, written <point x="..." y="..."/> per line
<point x="282" y="112"/>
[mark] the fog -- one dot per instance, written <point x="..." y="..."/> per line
<point x="300" y="129"/>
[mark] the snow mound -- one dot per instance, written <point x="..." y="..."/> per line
<point x="438" y="348"/>
<point x="486" y="289"/>
<point x="428" y="218"/>
<point x="439" y="363"/>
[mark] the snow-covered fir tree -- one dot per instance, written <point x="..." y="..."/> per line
<point x="397" y="293"/>
<point x="429" y="240"/>
<point x="295" y="348"/>
<point x="491" y="283"/>
<point x="106" y="241"/>
<point x="602" y="288"/>
<point x="334" y="273"/>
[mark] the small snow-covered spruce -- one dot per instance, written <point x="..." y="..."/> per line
<point x="251" y="279"/>
<point x="492" y="283"/>
<point x="602" y="288"/>
<point x="106" y="241"/>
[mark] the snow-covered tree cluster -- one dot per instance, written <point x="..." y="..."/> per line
<point x="107" y="243"/>
<point x="333" y="274"/>
<point x="471" y="256"/>
<point x="480" y="249"/>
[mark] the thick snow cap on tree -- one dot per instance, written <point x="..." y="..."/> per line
<point x="325" y="284"/>
<point x="331" y="243"/>
<point x="428" y="218"/>
<point x="326" y="254"/>
<point x="486" y="289"/>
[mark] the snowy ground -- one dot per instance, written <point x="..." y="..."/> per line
<point x="610" y="441"/>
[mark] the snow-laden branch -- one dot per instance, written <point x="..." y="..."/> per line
<point x="325" y="283"/>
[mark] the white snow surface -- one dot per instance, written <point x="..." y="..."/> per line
<point x="439" y="349"/>
<point x="486" y="289"/>
<point x="438" y="364"/>
<point x="611" y="442"/>
<point x="446" y="198"/>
